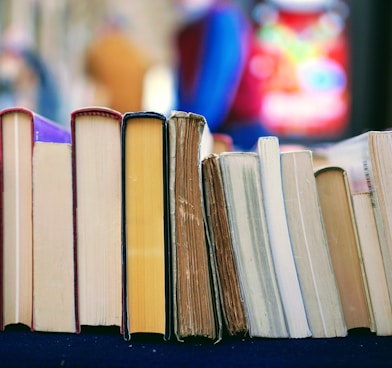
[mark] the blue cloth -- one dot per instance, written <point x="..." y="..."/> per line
<point x="48" y="101"/>
<point x="48" y="104"/>
<point x="220" y="51"/>
<point x="102" y="348"/>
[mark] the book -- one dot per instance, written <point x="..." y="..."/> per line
<point x="379" y="180"/>
<point x="373" y="263"/>
<point x="219" y="233"/>
<point x="196" y="310"/>
<point x="367" y="160"/>
<point x="251" y="247"/>
<point x="279" y="237"/>
<point x="343" y="242"/>
<point x="146" y="224"/>
<point x="20" y="129"/>
<point x="310" y="246"/>
<point x="96" y="167"/>
<point x="54" y="307"/>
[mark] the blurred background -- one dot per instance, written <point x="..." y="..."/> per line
<point x="56" y="38"/>
<point x="60" y="31"/>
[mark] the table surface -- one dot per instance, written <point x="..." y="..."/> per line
<point x="106" y="347"/>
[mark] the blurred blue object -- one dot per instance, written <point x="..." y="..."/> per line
<point x="26" y="81"/>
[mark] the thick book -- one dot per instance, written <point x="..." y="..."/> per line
<point x="233" y="310"/>
<point x="196" y="311"/>
<point x="310" y="246"/>
<point x="20" y="130"/>
<point x="344" y="247"/>
<point x="96" y="167"/>
<point x="279" y="237"/>
<point x="54" y="308"/>
<point x="251" y="245"/>
<point x="146" y="247"/>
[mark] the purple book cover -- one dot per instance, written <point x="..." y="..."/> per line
<point x="48" y="131"/>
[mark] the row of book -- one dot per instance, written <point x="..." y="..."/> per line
<point x="134" y="221"/>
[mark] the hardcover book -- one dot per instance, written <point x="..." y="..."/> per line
<point x="54" y="299"/>
<point x="96" y="167"/>
<point x="146" y="247"/>
<point x="20" y="130"/>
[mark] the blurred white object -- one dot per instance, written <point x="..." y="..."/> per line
<point x="159" y="89"/>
